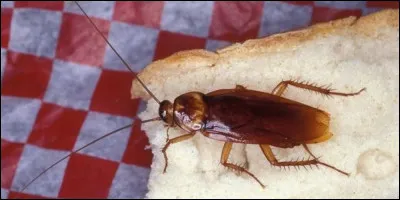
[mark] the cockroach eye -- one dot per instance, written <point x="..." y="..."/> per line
<point x="165" y="111"/>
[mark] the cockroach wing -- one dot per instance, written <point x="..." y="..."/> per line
<point x="253" y="117"/>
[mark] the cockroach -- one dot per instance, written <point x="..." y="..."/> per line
<point x="241" y="115"/>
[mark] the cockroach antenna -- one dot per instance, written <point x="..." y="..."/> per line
<point x="120" y="57"/>
<point x="112" y="132"/>
<point x="90" y="143"/>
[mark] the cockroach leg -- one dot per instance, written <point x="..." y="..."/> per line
<point x="167" y="139"/>
<point x="282" y="86"/>
<point x="266" y="149"/>
<point x="308" y="151"/>
<point x="224" y="161"/>
<point x="173" y="141"/>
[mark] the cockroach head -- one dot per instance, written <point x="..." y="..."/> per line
<point x="166" y="112"/>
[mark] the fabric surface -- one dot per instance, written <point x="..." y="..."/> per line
<point x="62" y="86"/>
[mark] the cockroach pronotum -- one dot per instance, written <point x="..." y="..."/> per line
<point x="241" y="115"/>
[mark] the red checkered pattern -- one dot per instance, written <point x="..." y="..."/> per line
<point x="62" y="86"/>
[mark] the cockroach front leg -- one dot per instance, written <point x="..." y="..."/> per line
<point x="167" y="138"/>
<point x="173" y="141"/>
<point x="266" y="149"/>
<point x="282" y="86"/>
<point x="224" y="161"/>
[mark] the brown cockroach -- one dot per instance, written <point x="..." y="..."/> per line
<point x="240" y="115"/>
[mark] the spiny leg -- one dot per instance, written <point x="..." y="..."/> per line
<point x="224" y="161"/>
<point x="282" y="86"/>
<point x="308" y="151"/>
<point x="266" y="149"/>
<point x="172" y="141"/>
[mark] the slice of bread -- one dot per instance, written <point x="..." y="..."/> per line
<point x="349" y="54"/>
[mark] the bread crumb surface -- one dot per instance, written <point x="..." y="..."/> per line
<point x="365" y="129"/>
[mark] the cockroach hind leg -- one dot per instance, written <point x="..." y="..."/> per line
<point x="266" y="149"/>
<point x="322" y="163"/>
<point x="308" y="151"/>
<point x="327" y="91"/>
<point x="334" y="168"/>
<point x="224" y="161"/>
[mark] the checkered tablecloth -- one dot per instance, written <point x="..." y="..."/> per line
<point x="62" y="86"/>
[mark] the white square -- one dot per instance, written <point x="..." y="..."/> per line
<point x="100" y="9"/>
<point x="367" y="11"/>
<point x="193" y="18"/>
<point x="142" y="106"/>
<point x="280" y="17"/>
<point x="4" y="192"/>
<point x="3" y="61"/>
<point x="213" y="45"/>
<point x="18" y="116"/>
<point x="130" y="181"/>
<point x="35" y="160"/>
<point x="35" y="31"/>
<point x="342" y="4"/>
<point x="72" y="85"/>
<point x="135" y="44"/>
<point x="7" y="4"/>
<point x="98" y="124"/>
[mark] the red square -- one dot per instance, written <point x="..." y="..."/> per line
<point x="141" y="13"/>
<point x="26" y="75"/>
<point x="112" y="94"/>
<point x="135" y="152"/>
<point x="79" y="41"/>
<point x="59" y="131"/>
<point x="87" y="177"/>
<point x="10" y="155"/>
<point x="236" y="21"/>
<point x="324" y="14"/>
<point x="50" y="5"/>
<point x="6" y="15"/>
<point x="17" y="195"/>
<point x="169" y="43"/>
<point x="383" y="4"/>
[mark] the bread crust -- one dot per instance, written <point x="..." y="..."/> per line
<point x="156" y="73"/>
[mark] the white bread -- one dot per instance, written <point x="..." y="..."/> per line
<point x="348" y="53"/>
